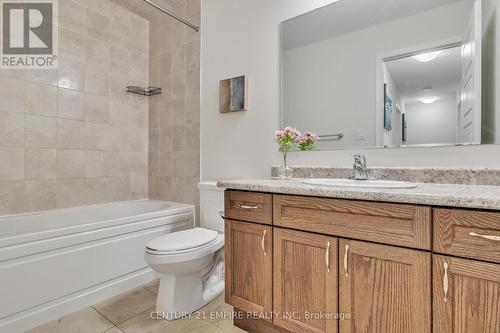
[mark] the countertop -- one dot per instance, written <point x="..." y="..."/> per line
<point x="450" y="195"/>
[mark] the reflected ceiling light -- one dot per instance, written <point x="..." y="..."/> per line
<point x="426" y="57"/>
<point x="428" y="98"/>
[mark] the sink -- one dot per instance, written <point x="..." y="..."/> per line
<point x="382" y="184"/>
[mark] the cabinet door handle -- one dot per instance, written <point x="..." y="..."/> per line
<point x="248" y="207"/>
<point x="262" y="243"/>
<point x="489" y="237"/>
<point x="327" y="257"/>
<point x="345" y="260"/>
<point x="445" y="282"/>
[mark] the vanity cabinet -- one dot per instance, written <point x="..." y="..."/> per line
<point x="466" y="295"/>
<point x="305" y="281"/>
<point x="248" y="271"/>
<point x="384" y="288"/>
<point x="331" y="265"/>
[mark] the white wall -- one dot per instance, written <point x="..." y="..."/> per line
<point x="329" y="86"/>
<point x="242" y="37"/>
<point x="432" y="123"/>
<point x="491" y="71"/>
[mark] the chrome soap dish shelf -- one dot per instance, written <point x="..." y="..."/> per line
<point x="148" y="91"/>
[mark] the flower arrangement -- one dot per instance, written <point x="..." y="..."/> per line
<point x="307" y="140"/>
<point x="286" y="140"/>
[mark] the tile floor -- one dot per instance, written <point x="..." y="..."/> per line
<point x="130" y="313"/>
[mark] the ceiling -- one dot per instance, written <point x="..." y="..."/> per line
<point x="443" y="75"/>
<point x="344" y="16"/>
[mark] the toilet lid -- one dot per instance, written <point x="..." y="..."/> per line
<point x="183" y="240"/>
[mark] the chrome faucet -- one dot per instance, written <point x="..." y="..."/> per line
<point x="360" y="169"/>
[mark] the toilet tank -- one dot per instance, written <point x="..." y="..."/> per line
<point x="211" y="203"/>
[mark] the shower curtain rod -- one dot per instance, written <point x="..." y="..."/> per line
<point x="189" y="24"/>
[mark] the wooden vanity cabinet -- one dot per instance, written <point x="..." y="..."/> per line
<point x="384" y="288"/>
<point x="372" y="264"/>
<point x="466" y="296"/>
<point x="249" y="264"/>
<point x="305" y="281"/>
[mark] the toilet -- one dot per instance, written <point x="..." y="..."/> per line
<point x="191" y="262"/>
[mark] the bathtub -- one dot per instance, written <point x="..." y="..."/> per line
<point x="55" y="262"/>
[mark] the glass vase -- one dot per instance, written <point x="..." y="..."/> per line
<point x="285" y="171"/>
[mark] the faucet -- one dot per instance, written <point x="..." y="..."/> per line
<point x="360" y="169"/>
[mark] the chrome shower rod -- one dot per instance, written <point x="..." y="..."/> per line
<point x="189" y="24"/>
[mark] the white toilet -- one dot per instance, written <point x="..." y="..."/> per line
<point x="191" y="262"/>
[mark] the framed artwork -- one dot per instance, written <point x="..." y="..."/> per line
<point x="233" y="94"/>
<point x="405" y="129"/>
<point x="387" y="108"/>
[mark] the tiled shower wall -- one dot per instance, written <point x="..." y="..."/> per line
<point x="174" y="123"/>
<point x="71" y="136"/>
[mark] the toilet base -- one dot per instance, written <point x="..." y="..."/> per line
<point x="181" y="294"/>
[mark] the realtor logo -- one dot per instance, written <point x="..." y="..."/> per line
<point x="29" y="34"/>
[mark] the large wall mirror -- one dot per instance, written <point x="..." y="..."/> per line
<point x="393" y="73"/>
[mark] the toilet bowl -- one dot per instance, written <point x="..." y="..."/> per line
<point x="190" y="262"/>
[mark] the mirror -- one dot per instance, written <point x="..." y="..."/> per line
<point x="386" y="73"/>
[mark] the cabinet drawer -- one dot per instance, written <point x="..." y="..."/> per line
<point x="397" y="224"/>
<point x="249" y="206"/>
<point x="470" y="234"/>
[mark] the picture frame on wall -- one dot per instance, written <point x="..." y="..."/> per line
<point x="387" y="108"/>
<point x="233" y="94"/>
<point x="404" y="127"/>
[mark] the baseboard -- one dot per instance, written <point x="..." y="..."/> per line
<point x="57" y="308"/>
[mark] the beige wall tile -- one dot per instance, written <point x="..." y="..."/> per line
<point x="68" y="136"/>
<point x="96" y="190"/>
<point x="71" y="164"/>
<point x="40" y="131"/>
<point x="71" y="104"/>
<point x="11" y="197"/>
<point x="70" y="192"/>
<point x="138" y="139"/>
<point x="40" y="163"/>
<point x="97" y="80"/>
<point x="117" y="164"/>
<point x="97" y="53"/>
<point x="11" y="94"/>
<point x="71" y="74"/>
<point x="41" y="99"/>
<point x="118" y="189"/>
<point x="11" y="163"/>
<point x="11" y="129"/>
<point x="71" y="46"/>
<point x="72" y="15"/>
<point x="71" y="134"/>
<point x="95" y="163"/>
<point x="97" y="109"/>
<point x="40" y="195"/>
<point x="97" y="25"/>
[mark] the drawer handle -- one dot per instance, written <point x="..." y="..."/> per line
<point x="262" y="243"/>
<point x="445" y="282"/>
<point x="493" y="238"/>
<point x="345" y="260"/>
<point x="248" y="207"/>
<point x="327" y="257"/>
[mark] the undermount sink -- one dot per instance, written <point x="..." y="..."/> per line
<point x="382" y="184"/>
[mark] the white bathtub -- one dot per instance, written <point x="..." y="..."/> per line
<point x="55" y="262"/>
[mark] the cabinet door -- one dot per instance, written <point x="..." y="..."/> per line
<point x="305" y="281"/>
<point x="248" y="266"/>
<point x="384" y="289"/>
<point x="466" y="296"/>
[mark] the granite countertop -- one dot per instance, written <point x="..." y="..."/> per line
<point x="451" y="195"/>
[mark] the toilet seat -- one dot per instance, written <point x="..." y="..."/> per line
<point x="162" y="258"/>
<point x="182" y="241"/>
